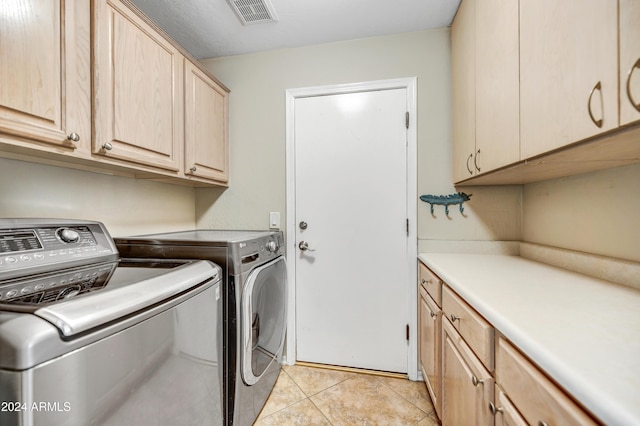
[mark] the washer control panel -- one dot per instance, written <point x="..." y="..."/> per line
<point x="45" y="247"/>
<point x="42" y="290"/>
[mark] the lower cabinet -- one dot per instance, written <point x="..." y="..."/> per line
<point x="430" y="347"/>
<point x="467" y="387"/>
<point x="475" y="376"/>
<point x="504" y="411"/>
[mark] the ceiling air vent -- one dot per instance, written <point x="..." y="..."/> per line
<point x="253" y="11"/>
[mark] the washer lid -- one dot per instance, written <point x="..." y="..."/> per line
<point x="135" y="290"/>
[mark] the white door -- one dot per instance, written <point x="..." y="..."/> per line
<point x="352" y="304"/>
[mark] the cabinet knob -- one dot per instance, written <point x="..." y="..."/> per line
<point x="494" y="410"/>
<point x="193" y="169"/>
<point x="432" y="314"/>
<point x="542" y="423"/>
<point x="73" y="137"/>
<point x="475" y="381"/>
<point x="454" y="318"/>
<point x="107" y="146"/>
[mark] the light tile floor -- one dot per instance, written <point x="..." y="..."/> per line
<point x="316" y="396"/>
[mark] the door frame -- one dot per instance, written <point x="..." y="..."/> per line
<point x="410" y="84"/>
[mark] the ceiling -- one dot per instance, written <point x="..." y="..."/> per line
<point x="210" y="28"/>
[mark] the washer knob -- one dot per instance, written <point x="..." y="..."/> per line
<point x="68" y="235"/>
<point x="272" y="246"/>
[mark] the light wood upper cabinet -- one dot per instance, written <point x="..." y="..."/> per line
<point x="206" y="131"/>
<point x="463" y="88"/>
<point x="568" y="72"/>
<point x="629" y="61"/>
<point x="138" y="90"/>
<point x="44" y="74"/>
<point x="96" y="85"/>
<point x="485" y="87"/>
<point x="497" y="84"/>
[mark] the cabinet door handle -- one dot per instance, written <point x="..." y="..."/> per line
<point x="494" y="410"/>
<point x="73" y="137"/>
<point x="597" y="87"/>
<point x="475" y="160"/>
<point x="475" y="381"/>
<point x="469" y="168"/>
<point x="635" y="104"/>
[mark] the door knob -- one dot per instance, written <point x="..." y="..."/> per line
<point x="304" y="246"/>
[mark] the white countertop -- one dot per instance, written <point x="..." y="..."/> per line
<point x="582" y="331"/>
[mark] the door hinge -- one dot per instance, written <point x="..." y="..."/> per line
<point x="407" y="332"/>
<point x="406" y="119"/>
<point x="407" y="227"/>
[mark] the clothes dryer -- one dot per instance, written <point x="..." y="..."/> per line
<point x="254" y="305"/>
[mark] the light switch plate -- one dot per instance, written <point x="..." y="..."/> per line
<point x="274" y="220"/>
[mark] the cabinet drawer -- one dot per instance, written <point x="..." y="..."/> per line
<point x="537" y="398"/>
<point x="431" y="283"/>
<point x="475" y="330"/>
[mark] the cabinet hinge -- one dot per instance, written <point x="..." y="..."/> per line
<point x="407" y="332"/>
<point x="406" y="119"/>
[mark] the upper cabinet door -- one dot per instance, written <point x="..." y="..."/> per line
<point x="138" y="90"/>
<point x="463" y="91"/>
<point x="206" y="132"/>
<point x="497" y="84"/>
<point x="38" y="72"/>
<point x="629" y="61"/>
<point x="568" y="72"/>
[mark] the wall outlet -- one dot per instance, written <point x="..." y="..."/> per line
<point x="274" y="220"/>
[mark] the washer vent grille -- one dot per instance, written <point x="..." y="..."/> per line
<point x="253" y="11"/>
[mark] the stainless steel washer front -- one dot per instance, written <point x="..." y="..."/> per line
<point x="87" y="337"/>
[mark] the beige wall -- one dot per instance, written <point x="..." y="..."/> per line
<point x="595" y="212"/>
<point x="126" y="206"/>
<point x="257" y="131"/>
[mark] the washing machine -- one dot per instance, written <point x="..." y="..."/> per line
<point x="254" y="296"/>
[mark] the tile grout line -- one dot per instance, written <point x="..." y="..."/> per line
<point x="409" y="401"/>
<point x="378" y="379"/>
<point x="290" y="405"/>
<point x="320" y="410"/>
<point x="307" y="397"/>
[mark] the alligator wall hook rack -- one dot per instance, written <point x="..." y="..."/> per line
<point x="446" y="200"/>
